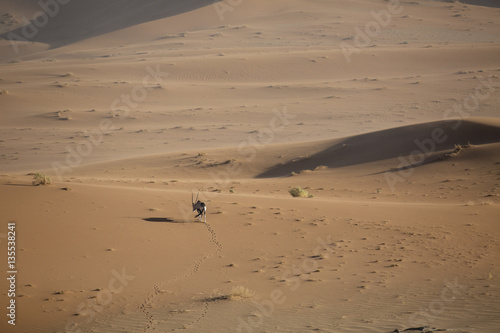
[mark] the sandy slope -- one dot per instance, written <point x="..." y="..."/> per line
<point x="386" y="256"/>
<point x="131" y="107"/>
<point x="200" y="81"/>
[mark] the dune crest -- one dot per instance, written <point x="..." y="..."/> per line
<point x="431" y="139"/>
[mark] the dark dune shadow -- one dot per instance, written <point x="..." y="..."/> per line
<point x="391" y="143"/>
<point x="79" y="20"/>
<point x="484" y="3"/>
<point x="164" y="220"/>
<point x="432" y="158"/>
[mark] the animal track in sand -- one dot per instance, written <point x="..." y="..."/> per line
<point x="148" y="302"/>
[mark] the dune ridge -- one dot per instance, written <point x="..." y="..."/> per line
<point x="434" y="140"/>
<point x="429" y="139"/>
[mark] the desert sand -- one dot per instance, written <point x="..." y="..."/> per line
<point x="385" y="112"/>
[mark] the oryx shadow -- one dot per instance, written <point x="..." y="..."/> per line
<point x="166" y="220"/>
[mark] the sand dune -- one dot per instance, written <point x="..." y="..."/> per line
<point x="81" y="20"/>
<point x="433" y="140"/>
<point x="385" y="112"/>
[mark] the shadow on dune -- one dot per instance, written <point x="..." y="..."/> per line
<point x="81" y="19"/>
<point x="163" y="220"/>
<point x="484" y="3"/>
<point x="393" y="143"/>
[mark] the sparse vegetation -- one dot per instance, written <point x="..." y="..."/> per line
<point x="41" y="179"/>
<point x="237" y="293"/>
<point x="480" y="203"/>
<point x="3" y="92"/>
<point x="299" y="192"/>
<point x="65" y="114"/>
<point x="458" y="149"/>
<point x="240" y="292"/>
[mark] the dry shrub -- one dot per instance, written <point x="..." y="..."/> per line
<point x="299" y="192"/>
<point x="41" y="179"/>
<point x="237" y="293"/>
<point x="240" y="292"/>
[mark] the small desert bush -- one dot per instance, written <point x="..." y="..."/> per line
<point x="299" y="192"/>
<point x="240" y="292"/>
<point x="237" y="293"/>
<point x="41" y="179"/>
<point x="64" y="115"/>
<point x="458" y="149"/>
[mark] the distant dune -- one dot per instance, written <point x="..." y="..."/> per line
<point x="429" y="139"/>
<point x="78" y="20"/>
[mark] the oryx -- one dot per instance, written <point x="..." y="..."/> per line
<point x="199" y="207"/>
